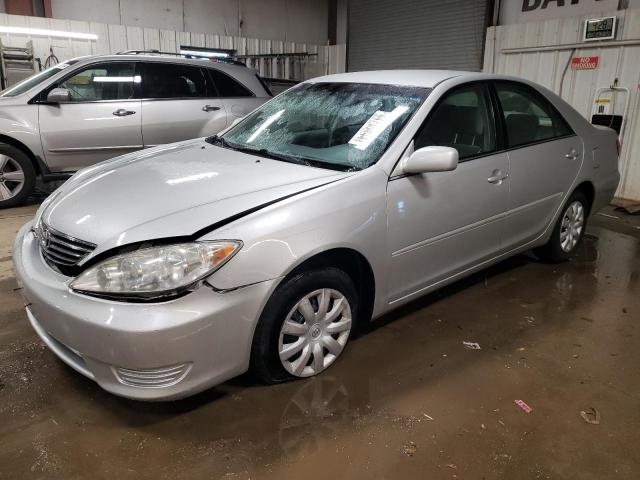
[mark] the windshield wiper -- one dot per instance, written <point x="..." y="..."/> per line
<point x="280" y="156"/>
<point x="216" y="139"/>
<point x="263" y="152"/>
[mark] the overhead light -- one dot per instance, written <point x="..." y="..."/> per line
<point x="47" y="33"/>
<point x="204" y="53"/>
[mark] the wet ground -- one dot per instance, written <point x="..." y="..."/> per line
<point x="407" y="400"/>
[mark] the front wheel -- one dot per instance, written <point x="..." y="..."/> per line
<point x="305" y="326"/>
<point x="568" y="231"/>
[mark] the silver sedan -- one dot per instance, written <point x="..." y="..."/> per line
<point x="164" y="272"/>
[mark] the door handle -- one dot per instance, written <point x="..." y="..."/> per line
<point x="121" y="112"/>
<point x="572" y="155"/>
<point x="497" y="176"/>
<point x="210" y="108"/>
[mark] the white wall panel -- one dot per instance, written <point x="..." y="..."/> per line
<point x="116" y="38"/>
<point x="151" y="39"/>
<point x="168" y="41"/>
<point x="579" y="86"/>
<point x="135" y="38"/>
<point x="293" y="20"/>
<point x="212" y="41"/>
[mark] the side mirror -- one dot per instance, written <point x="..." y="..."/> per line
<point x="431" y="159"/>
<point x="59" y="95"/>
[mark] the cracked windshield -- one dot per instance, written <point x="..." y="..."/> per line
<point x="342" y="126"/>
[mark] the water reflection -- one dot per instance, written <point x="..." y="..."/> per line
<point x="312" y="414"/>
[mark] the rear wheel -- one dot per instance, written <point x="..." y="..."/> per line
<point x="17" y="176"/>
<point x="568" y="231"/>
<point x="305" y="326"/>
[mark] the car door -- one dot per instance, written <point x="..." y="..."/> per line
<point x="179" y="102"/>
<point x="443" y="223"/>
<point x="101" y="119"/>
<point x="238" y="99"/>
<point x="545" y="157"/>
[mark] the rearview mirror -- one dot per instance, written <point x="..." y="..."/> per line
<point x="431" y="159"/>
<point x="59" y="95"/>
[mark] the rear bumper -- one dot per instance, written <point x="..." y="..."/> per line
<point x="157" y="351"/>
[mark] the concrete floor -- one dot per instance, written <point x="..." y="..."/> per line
<point x="407" y="400"/>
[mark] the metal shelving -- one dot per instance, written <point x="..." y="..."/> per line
<point x="16" y="63"/>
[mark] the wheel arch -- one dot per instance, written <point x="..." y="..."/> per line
<point x="589" y="191"/>
<point x="24" y="149"/>
<point x="354" y="264"/>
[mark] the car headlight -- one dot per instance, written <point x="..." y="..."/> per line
<point x="157" y="271"/>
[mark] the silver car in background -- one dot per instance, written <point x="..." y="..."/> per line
<point x="161" y="273"/>
<point x="86" y="110"/>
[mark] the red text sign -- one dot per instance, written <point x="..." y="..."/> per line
<point x="584" y="63"/>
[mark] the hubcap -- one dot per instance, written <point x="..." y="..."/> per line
<point x="11" y="177"/>
<point x="572" y="225"/>
<point x="315" y="332"/>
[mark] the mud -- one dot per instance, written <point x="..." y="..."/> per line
<point x="407" y="400"/>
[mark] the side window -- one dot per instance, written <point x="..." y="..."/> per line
<point x="105" y="81"/>
<point x="168" y="80"/>
<point x="227" y="86"/>
<point x="462" y="120"/>
<point x="528" y="116"/>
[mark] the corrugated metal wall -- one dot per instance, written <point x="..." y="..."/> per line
<point x="115" y="38"/>
<point x="579" y="87"/>
<point x="444" y="34"/>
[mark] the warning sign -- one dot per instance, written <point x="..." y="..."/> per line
<point x="584" y="63"/>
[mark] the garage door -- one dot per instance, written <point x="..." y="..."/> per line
<point x="445" y="34"/>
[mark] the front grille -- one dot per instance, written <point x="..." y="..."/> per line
<point x="154" y="377"/>
<point x="59" y="249"/>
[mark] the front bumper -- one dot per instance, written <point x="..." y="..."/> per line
<point x="158" y="351"/>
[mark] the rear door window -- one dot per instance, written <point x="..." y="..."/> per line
<point x="167" y="80"/>
<point x="528" y="116"/>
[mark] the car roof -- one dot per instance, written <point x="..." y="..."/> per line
<point x="231" y="68"/>
<point x="415" y="78"/>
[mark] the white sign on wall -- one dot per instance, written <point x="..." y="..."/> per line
<point x="520" y="11"/>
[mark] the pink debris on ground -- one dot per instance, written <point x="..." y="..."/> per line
<point x="524" y="406"/>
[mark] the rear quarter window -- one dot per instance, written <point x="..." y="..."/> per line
<point x="227" y="86"/>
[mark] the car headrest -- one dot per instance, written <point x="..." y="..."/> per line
<point x="521" y="128"/>
<point x="469" y="121"/>
<point x="439" y="132"/>
<point x="182" y="87"/>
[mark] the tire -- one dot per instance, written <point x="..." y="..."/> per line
<point x="17" y="176"/>
<point x="304" y="336"/>
<point x="568" y="231"/>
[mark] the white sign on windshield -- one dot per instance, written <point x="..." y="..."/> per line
<point x="373" y="127"/>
